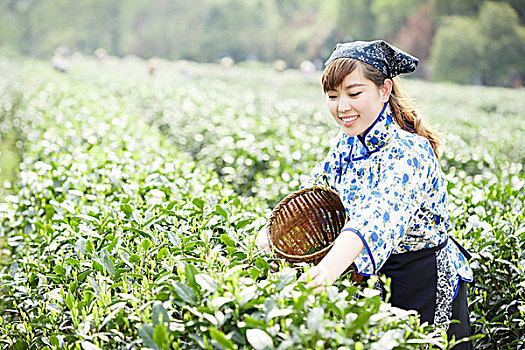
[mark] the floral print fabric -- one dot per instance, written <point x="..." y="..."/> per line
<point x="394" y="193"/>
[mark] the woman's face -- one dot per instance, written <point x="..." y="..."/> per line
<point x="356" y="103"/>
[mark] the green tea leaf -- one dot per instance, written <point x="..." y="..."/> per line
<point x="190" y="271"/>
<point x="146" y="244"/>
<point x="259" y="339"/>
<point x="146" y="334"/>
<point x="108" y="265"/>
<point x="220" y="338"/>
<point x="82" y="276"/>
<point x="13" y="268"/>
<point x="199" y="203"/>
<point x="54" y="341"/>
<point x="19" y="345"/>
<point x="313" y="249"/>
<point x="126" y="208"/>
<point x="362" y="319"/>
<point x="59" y="270"/>
<point x="89" y="246"/>
<point x="242" y="223"/>
<point x="97" y="266"/>
<point x="184" y="292"/>
<point x="159" y="315"/>
<point x="113" y="243"/>
<point x="70" y="302"/>
<point x="50" y="211"/>
<point x="80" y="245"/>
<point x="162" y="253"/>
<point x="314" y="318"/>
<point x="160" y="336"/>
<point x="220" y="210"/>
<point x="284" y="279"/>
<point x="72" y="261"/>
<point x="227" y="240"/>
<point x="206" y="282"/>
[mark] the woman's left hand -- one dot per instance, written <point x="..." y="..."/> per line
<point x="347" y="246"/>
<point x="317" y="276"/>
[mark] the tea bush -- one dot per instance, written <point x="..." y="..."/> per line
<point x="132" y="219"/>
<point x="117" y="239"/>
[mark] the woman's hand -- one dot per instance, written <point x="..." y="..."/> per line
<point x="263" y="244"/>
<point x="317" y="276"/>
<point x="345" y="250"/>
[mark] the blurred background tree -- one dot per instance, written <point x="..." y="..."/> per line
<point x="468" y="41"/>
<point x="456" y="49"/>
<point x="354" y="20"/>
<point x="486" y="49"/>
<point x="502" y="46"/>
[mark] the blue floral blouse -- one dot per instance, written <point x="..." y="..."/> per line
<point x="394" y="193"/>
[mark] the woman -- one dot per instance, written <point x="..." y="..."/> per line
<point x="385" y="168"/>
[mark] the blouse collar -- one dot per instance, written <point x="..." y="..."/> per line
<point x="373" y="139"/>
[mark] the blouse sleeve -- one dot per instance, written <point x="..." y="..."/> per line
<point x="380" y="214"/>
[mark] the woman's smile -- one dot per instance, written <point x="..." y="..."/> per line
<point x="349" y="120"/>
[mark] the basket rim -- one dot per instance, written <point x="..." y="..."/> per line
<point x="278" y="207"/>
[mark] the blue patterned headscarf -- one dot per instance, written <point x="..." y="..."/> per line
<point x="388" y="59"/>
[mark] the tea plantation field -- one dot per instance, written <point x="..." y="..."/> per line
<point x="130" y="203"/>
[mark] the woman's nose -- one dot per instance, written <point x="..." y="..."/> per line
<point x="344" y="104"/>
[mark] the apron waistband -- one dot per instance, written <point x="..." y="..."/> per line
<point x="421" y="252"/>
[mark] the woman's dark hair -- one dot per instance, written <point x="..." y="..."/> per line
<point x="405" y="114"/>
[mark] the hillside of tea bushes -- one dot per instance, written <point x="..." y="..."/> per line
<point x="130" y="220"/>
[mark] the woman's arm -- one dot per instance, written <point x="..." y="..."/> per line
<point x="345" y="250"/>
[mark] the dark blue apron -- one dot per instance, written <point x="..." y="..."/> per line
<point x="414" y="280"/>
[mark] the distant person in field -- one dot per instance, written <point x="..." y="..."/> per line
<point x="59" y="59"/>
<point x="384" y="165"/>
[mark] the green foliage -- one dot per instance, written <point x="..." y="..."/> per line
<point x="457" y="8"/>
<point x="10" y="129"/>
<point x="486" y="49"/>
<point x="354" y="20"/>
<point x="132" y="221"/>
<point x="521" y="45"/>
<point x="456" y="51"/>
<point x="253" y="24"/>
<point x="392" y="15"/>
<point x="117" y="239"/>
<point x="497" y="299"/>
<point x="207" y="30"/>
<point x="501" y="46"/>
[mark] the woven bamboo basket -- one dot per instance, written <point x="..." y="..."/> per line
<point x="304" y="225"/>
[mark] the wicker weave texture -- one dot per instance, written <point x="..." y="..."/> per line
<point x="304" y="225"/>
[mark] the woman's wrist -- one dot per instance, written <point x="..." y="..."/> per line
<point x="345" y="250"/>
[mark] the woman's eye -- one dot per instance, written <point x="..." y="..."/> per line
<point x="354" y="94"/>
<point x="332" y="97"/>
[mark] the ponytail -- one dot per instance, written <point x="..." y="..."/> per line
<point x="408" y="119"/>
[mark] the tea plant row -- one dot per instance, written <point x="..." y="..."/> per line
<point x="118" y="239"/>
<point x="132" y="221"/>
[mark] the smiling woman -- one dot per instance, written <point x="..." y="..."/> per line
<point x="385" y="168"/>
